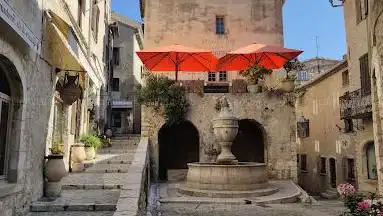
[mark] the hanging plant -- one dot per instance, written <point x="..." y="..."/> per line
<point x="162" y="92"/>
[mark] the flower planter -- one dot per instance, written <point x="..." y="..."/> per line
<point x="78" y="153"/>
<point x="287" y="85"/>
<point x="55" y="168"/>
<point x="90" y="153"/>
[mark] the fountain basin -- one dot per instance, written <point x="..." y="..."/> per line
<point x="235" y="180"/>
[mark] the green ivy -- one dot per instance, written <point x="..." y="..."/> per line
<point x="160" y="91"/>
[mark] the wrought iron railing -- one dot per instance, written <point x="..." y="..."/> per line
<point x="354" y="105"/>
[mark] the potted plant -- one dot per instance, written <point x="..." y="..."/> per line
<point x="255" y="78"/>
<point x="288" y="83"/>
<point x="55" y="167"/>
<point x="91" y="144"/>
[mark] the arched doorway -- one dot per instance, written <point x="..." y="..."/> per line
<point x="249" y="145"/>
<point x="10" y="118"/>
<point x="178" y="146"/>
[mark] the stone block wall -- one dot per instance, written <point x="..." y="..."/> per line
<point x="274" y="113"/>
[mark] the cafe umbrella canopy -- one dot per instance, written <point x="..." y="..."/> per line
<point x="261" y="55"/>
<point x="178" y="58"/>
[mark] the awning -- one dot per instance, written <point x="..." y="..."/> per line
<point x="61" y="48"/>
<point x="122" y="104"/>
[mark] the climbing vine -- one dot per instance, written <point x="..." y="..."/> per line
<point x="161" y="92"/>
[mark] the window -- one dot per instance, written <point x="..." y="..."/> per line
<point x="304" y="163"/>
<point x="116" y="119"/>
<point x="361" y="10"/>
<point x="223" y="76"/>
<point x="211" y="77"/>
<point x="371" y="161"/>
<point x="220" y="25"/>
<point x="348" y="126"/>
<point x="303" y="128"/>
<point x="4" y="120"/>
<point x="116" y="84"/>
<point x="116" y="56"/>
<point x="95" y="19"/>
<point x="81" y="11"/>
<point x="323" y="165"/>
<point x="350" y="169"/>
<point x="345" y="79"/>
<point x="365" y="79"/>
<point x="302" y="76"/>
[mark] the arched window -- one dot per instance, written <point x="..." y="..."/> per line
<point x="371" y="161"/>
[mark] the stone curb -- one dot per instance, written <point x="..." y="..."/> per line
<point x="131" y="197"/>
<point x="43" y="207"/>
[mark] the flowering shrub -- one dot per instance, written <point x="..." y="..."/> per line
<point x="357" y="204"/>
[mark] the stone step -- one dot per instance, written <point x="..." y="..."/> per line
<point x="72" y="213"/>
<point x="79" y="200"/>
<point x="89" y="181"/>
<point x="116" y="151"/>
<point x="127" y="137"/>
<point x="121" y="146"/>
<point x="108" y="168"/>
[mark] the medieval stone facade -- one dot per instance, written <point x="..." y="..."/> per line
<point x="41" y="42"/>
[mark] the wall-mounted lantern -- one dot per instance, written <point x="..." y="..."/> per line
<point x="69" y="89"/>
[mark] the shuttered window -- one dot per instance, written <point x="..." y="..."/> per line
<point x="303" y="128"/>
<point x="365" y="79"/>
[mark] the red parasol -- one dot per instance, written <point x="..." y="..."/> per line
<point x="267" y="56"/>
<point x="178" y="58"/>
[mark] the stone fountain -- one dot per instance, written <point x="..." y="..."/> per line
<point x="226" y="178"/>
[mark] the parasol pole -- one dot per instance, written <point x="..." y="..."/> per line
<point x="177" y="66"/>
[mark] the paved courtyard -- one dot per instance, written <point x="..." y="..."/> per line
<point x="322" y="208"/>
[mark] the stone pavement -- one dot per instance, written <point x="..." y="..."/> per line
<point x="94" y="192"/>
<point x="323" y="208"/>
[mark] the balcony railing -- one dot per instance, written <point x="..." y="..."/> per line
<point x="354" y="105"/>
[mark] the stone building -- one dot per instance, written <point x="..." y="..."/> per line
<point x="326" y="151"/>
<point x="220" y="26"/>
<point x="267" y="119"/>
<point x="312" y="68"/>
<point x="356" y="104"/>
<point x="41" y="43"/>
<point x="127" y="76"/>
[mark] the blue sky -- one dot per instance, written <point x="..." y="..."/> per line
<point x="304" y="20"/>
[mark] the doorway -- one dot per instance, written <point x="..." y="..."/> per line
<point x="332" y="172"/>
<point x="178" y="146"/>
<point x="249" y="144"/>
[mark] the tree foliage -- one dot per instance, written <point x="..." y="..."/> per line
<point x="159" y="92"/>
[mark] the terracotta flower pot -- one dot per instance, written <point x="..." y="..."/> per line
<point x="55" y="168"/>
<point x="90" y="153"/>
<point x="78" y="153"/>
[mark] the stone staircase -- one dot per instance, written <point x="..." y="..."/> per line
<point x="95" y="191"/>
<point x="330" y="193"/>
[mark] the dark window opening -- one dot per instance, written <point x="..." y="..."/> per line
<point x="116" y="119"/>
<point x="220" y="25"/>
<point x="303" y="128"/>
<point x="348" y="126"/>
<point x="323" y="169"/>
<point x="345" y="79"/>
<point x="116" y="56"/>
<point x="211" y="76"/>
<point x="116" y="84"/>
<point x="304" y="163"/>
<point x="350" y="170"/>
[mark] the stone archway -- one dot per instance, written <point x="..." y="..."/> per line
<point x="249" y="145"/>
<point x="11" y="106"/>
<point x="178" y="146"/>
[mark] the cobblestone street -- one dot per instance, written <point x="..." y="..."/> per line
<point x="322" y="208"/>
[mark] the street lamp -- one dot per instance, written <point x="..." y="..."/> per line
<point x="337" y="3"/>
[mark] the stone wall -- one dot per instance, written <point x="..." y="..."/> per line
<point x="273" y="112"/>
<point x="24" y="182"/>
